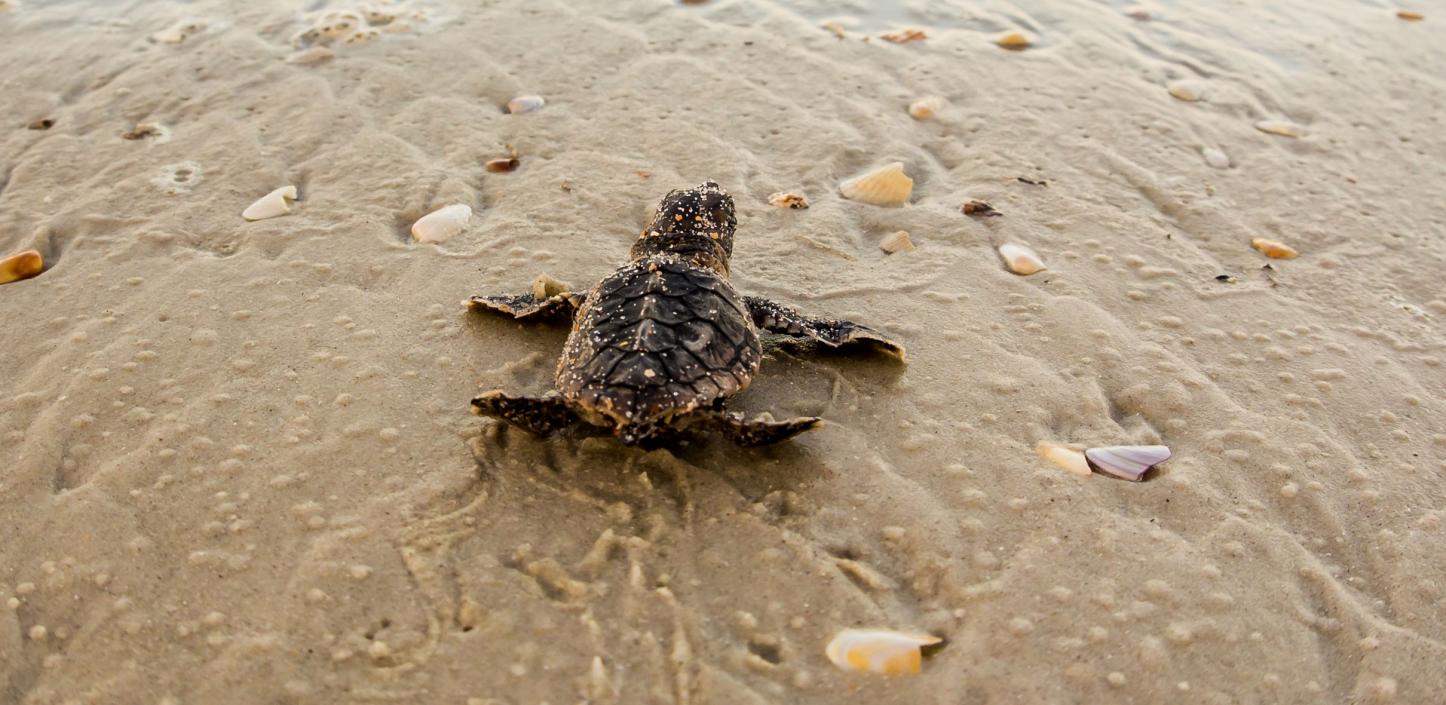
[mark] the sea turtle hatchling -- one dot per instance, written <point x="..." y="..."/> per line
<point x="658" y="345"/>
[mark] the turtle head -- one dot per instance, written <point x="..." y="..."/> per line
<point x="696" y="222"/>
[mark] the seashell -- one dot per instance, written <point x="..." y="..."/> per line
<point x="1187" y="89"/>
<point x="441" y="224"/>
<point x="896" y="242"/>
<point x="1067" y="458"/>
<point x="904" y="36"/>
<point x="1126" y="462"/>
<point x="501" y="165"/>
<point x="525" y="104"/>
<point x="1215" y="158"/>
<point x="1013" y="40"/>
<point x="979" y="209"/>
<point x="926" y="108"/>
<point x="880" y="651"/>
<point x="545" y="287"/>
<point x="21" y="265"/>
<point x="1273" y="249"/>
<point x="148" y="130"/>
<point x="178" y="32"/>
<point x="1410" y="15"/>
<point x="887" y="185"/>
<point x="836" y="28"/>
<point x="41" y="124"/>
<point x="1138" y="13"/>
<point x="1279" y="127"/>
<point x="311" y="56"/>
<point x="271" y="205"/>
<point x="788" y="199"/>
<point x="1020" y="259"/>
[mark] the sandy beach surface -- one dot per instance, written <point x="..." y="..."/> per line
<point x="236" y="458"/>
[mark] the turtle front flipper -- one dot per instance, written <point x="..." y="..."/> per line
<point x="548" y="300"/>
<point x="756" y="432"/>
<point x="777" y="318"/>
<point x="541" y="415"/>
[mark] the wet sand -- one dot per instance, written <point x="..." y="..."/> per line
<point x="236" y="460"/>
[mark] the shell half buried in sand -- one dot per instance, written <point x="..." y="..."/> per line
<point x="442" y="224"/>
<point x="1065" y="457"/>
<point x="879" y="651"/>
<point x="271" y="205"/>
<point x="887" y="185"/>
<point x="21" y="265"/>
<point x="525" y="104"/>
<point x="1126" y="462"/>
<point x="1020" y="259"/>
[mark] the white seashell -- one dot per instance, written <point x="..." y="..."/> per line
<point x="882" y="651"/>
<point x="1279" y="127"/>
<point x="271" y="205"/>
<point x="1067" y="458"/>
<point x="887" y="185"/>
<point x="896" y="242"/>
<point x="1187" y="89"/>
<point x="1216" y="158"/>
<point x="21" y="265"/>
<point x="525" y="104"/>
<point x="1126" y="462"/>
<point x="442" y="224"/>
<point x="926" y="108"/>
<point x="1020" y="259"/>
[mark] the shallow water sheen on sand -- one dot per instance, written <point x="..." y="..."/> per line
<point x="236" y="458"/>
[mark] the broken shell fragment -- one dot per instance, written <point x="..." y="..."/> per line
<point x="887" y="185"/>
<point x="442" y="224"/>
<point x="1126" y="462"/>
<point x="1410" y="15"/>
<point x="979" y="209"/>
<point x="904" y="36"/>
<point x="926" y="108"/>
<point x="896" y="242"/>
<point x="525" y="104"/>
<point x="1273" y="249"/>
<point x="1020" y="259"/>
<point x="1067" y="458"/>
<point x="880" y="651"/>
<point x="271" y="205"/>
<point x="1216" y="158"/>
<point x="545" y="287"/>
<point x="21" y="265"/>
<point x="1014" y="40"/>
<point x="1187" y="89"/>
<point x="1283" y="128"/>
<point x="788" y="199"/>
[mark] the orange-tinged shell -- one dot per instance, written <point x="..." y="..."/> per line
<point x="1273" y="249"/>
<point x="1020" y="259"/>
<point x="887" y="185"/>
<point x="21" y="265"/>
<point x="1065" y="457"/>
<point x="881" y="651"/>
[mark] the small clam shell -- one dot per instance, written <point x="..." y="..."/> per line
<point x="1126" y="462"/>
<point x="926" y="108"/>
<point x="525" y="104"/>
<point x="788" y="199"/>
<point x="1187" y="89"/>
<point x="545" y="287"/>
<point x="880" y="651"/>
<point x="1283" y="128"/>
<point x="1014" y="40"/>
<point x="21" y="265"/>
<point x="1067" y="458"/>
<point x="896" y="242"/>
<point x="1273" y="249"/>
<point x="1216" y="158"/>
<point x="271" y="205"/>
<point x="441" y="224"/>
<point x="1020" y="259"/>
<point x="887" y="185"/>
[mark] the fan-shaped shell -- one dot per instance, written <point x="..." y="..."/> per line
<point x="887" y="185"/>
<point x="880" y="651"/>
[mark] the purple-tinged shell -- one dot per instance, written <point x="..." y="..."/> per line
<point x="1126" y="462"/>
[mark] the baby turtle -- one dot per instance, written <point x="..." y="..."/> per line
<point x="658" y="345"/>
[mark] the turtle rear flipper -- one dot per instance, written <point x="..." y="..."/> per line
<point x="756" y="432"/>
<point x="540" y="415"/>
<point x="777" y="318"/>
